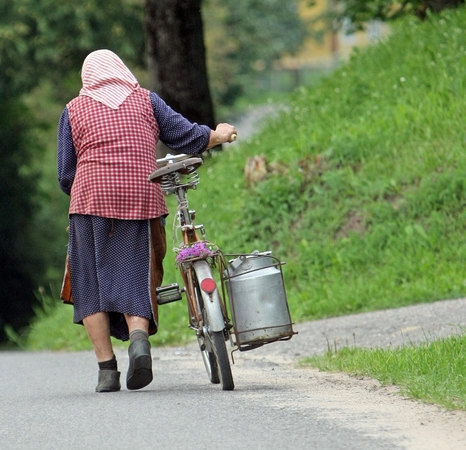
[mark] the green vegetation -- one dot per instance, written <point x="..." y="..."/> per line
<point x="365" y="192"/>
<point x="432" y="372"/>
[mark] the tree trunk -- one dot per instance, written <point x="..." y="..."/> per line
<point x="177" y="57"/>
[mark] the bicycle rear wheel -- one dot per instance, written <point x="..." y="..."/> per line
<point x="213" y="347"/>
<point x="217" y="340"/>
<point x="210" y="361"/>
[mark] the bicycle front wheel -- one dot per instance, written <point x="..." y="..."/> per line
<point x="213" y="345"/>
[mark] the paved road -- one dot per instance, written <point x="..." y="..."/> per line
<point x="47" y="399"/>
<point x="48" y="403"/>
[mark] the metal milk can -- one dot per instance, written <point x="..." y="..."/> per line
<point x="257" y="299"/>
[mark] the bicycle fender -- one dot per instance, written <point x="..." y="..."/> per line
<point x="211" y="301"/>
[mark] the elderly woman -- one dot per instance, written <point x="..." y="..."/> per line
<point x="107" y="138"/>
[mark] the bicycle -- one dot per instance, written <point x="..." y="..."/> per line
<point x="252" y="282"/>
<point x="196" y="258"/>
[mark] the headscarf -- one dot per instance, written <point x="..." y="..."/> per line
<point x="106" y="79"/>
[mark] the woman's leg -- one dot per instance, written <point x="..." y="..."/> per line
<point x="98" y="329"/>
<point x="137" y="323"/>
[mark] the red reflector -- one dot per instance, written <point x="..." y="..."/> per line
<point x="208" y="285"/>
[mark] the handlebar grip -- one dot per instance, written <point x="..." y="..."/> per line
<point x="233" y="137"/>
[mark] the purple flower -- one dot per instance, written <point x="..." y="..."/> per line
<point x="196" y="250"/>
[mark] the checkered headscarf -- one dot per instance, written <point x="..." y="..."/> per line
<point x="106" y="79"/>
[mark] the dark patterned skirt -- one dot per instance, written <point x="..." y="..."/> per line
<point x="115" y="266"/>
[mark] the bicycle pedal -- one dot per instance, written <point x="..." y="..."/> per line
<point x="168" y="294"/>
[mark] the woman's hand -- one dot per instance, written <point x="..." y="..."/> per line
<point x="222" y="134"/>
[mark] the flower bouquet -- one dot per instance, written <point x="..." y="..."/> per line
<point x="197" y="250"/>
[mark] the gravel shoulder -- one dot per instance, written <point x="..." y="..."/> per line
<point x="385" y="328"/>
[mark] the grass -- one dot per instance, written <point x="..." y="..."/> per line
<point x="432" y="372"/>
<point x="364" y="196"/>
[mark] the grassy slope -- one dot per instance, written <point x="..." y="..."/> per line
<point x="370" y="210"/>
<point x="366" y="191"/>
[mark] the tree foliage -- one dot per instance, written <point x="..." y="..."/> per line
<point x="20" y="263"/>
<point x="245" y="36"/>
<point x="361" y="11"/>
<point x="48" y="38"/>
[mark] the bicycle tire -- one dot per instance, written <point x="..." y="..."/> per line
<point x="213" y="349"/>
<point x="223" y="362"/>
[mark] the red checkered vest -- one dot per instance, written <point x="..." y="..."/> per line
<point x="115" y="150"/>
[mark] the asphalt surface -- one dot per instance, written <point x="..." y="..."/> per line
<point x="48" y="401"/>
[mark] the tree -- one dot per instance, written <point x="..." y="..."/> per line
<point x="239" y="37"/>
<point x="50" y="38"/>
<point x="20" y="264"/>
<point x="40" y="40"/>
<point x="177" y="57"/>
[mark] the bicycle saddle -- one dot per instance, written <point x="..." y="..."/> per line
<point x="184" y="167"/>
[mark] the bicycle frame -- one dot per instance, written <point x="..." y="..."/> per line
<point x="207" y="312"/>
<point x="212" y="300"/>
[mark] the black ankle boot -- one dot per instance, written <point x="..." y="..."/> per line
<point x="140" y="365"/>
<point x="109" y="381"/>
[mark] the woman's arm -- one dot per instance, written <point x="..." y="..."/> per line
<point x="66" y="154"/>
<point x="179" y="134"/>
